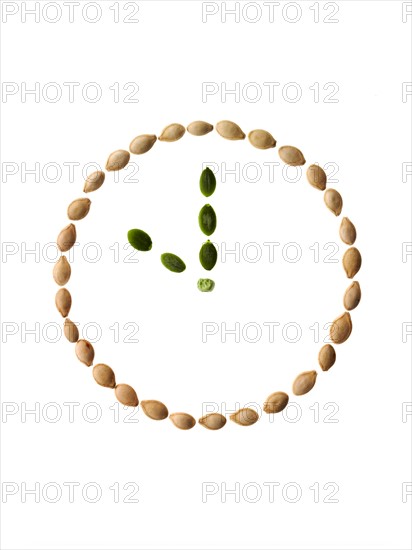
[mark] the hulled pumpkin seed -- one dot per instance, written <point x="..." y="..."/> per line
<point x="155" y="410"/>
<point x="291" y="155"/>
<point x="142" y="144"/>
<point x="316" y="177"/>
<point x="117" y="160"/>
<point x="327" y="357"/>
<point x="304" y="382"/>
<point x="126" y="395"/>
<point x="245" y="417"/>
<point x="199" y="128"/>
<point x="352" y="261"/>
<point x="94" y="181"/>
<point x="139" y="239"/>
<point x="172" y="262"/>
<point x="276" y="402"/>
<point x="208" y="255"/>
<point x="205" y="285"/>
<point x="173" y="132"/>
<point x="62" y="271"/>
<point x="63" y="301"/>
<point x="333" y="201"/>
<point x="207" y="220"/>
<point x="212" y="421"/>
<point x="229" y="130"/>
<point x="183" y="421"/>
<point x="261" y="139"/>
<point x="207" y="182"/>
<point x="104" y="375"/>
<point x="352" y="296"/>
<point x="341" y="328"/>
<point x="78" y="209"/>
<point x="66" y="238"/>
<point x="71" y="331"/>
<point x="347" y="231"/>
<point x="85" y="352"/>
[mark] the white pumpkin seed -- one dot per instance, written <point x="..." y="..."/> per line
<point x="63" y="301"/>
<point x="199" y="128"/>
<point x="78" y="209"/>
<point x="126" y="395"/>
<point x="352" y="261"/>
<point x="117" y="160"/>
<point x="292" y="155"/>
<point x="352" y="296"/>
<point x="142" y="144"/>
<point x="183" y="421"/>
<point x="327" y="357"/>
<point x="71" y="331"/>
<point x="245" y="417"/>
<point x="212" y="421"/>
<point x="104" y="375"/>
<point x="347" y="231"/>
<point x="66" y="237"/>
<point x="304" y="382"/>
<point x="85" y="352"/>
<point x="341" y="328"/>
<point x="173" y="132"/>
<point x="316" y="177"/>
<point x="261" y="139"/>
<point x="229" y="130"/>
<point x="333" y="201"/>
<point x="94" y="181"/>
<point x="155" y="410"/>
<point x="276" y="402"/>
<point x="62" y="271"/>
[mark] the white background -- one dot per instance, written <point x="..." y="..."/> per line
<point x="350" y="431"/>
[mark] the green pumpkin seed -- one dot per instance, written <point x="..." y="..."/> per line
<point x="139" y="240"/>
<point x="205" y="285"/>
<point x="207" y="182"/>
<point x="172" y="262"/>
<point x="207" y="220"/>
<point x="208" y="255"/>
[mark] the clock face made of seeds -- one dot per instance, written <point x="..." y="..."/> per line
<point x="103" y="374"/>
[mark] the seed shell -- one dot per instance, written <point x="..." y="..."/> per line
<point x="78" y="209"/>
<point x="62" y="271"/>
<point x="155" y="410"/>
<point x="117" y="160"/>
<point x="63" y="301"/>
<point x="142" y="144"/>
<point x="352" y="261"/>
<point x="316" y="177"/>
<point x="85" y="352"/>
<point x="352" y="296"/>
<point x="327" y="357"/>
<point x="172" y="262"/>
<point x="245" y="417"/>
<point x="333" y="201"/>
<point x="261" y="139"/>
<point x="66" y="238"/>
<point x="183" y="421"/>
<point x="304" y="382"/>
<point x="173" y="132"/>
<point x="291" y="155"/>
<point x="126" y="395"/>
<point x="347" y="231"/>
<point x="94" y="181"/>
<point x="199" y="128"/>
<point x="104" y="375"/>
<point x="208" y="255"/>
<point x="212" y="421"/>
<point x="71" y="331"/>
<point x="276" y="402"/>
<point x="341" y="328"/>
<point x="229" y="130"/>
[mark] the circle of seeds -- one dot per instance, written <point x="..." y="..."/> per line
<point x="340" y="329"/>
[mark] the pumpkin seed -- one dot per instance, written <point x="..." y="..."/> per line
<point x="207" y="220"/>
<point x="104" y="375"/>
<point x="63" y="301"/>
<point x="347" y="231"/>
<point x="183" y="421"/>
<point x="66" y="238"/>
<point x="85" y="352"/>
<point x="173" y="132"/>
<point x="71" y="331"/>
<point x="304" y="382"/>
<point x="352" y="296"/>
<point x="205" y="285"/>
<point x="352" y="261"/>
<point x="341" y="328"/>
<point x="229" y="130"/>
<point x="291" y="155"/>
<point x="333" y="201"/>
<point x="117" y="160"/>
<point x="155" y="410"/>
<point x="172" y="262"/>
<point x="327" y="357"/>
<point x="276" y="402"/>
<point x="94" y="181"/>
<point x="126" y="395"/>
<point x="261" y="139"/>
<point x="208" y="255"/>
<point x="207" y="182"/>
<point x="78" y="209"/>
<point x="199" y="128"/>
<point x="245" y="417"/>
<point x="142" y="144"/>
<point x="62" y="271"/>
<point x="316" y="176"/>
<point x="139" y="239"/>
<point x="212" y="421"/>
